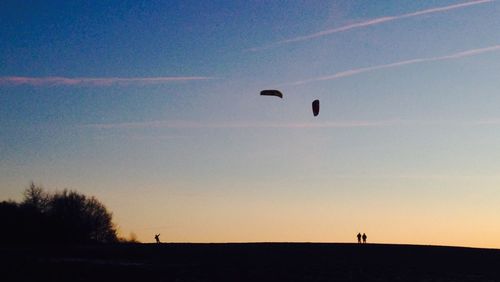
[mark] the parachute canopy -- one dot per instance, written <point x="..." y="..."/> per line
<point x="315" y="107"/>
<point x="271" y="93"/>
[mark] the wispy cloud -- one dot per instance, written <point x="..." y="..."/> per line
<point x="289" y="125"/>
<point x="138" y="137"/>
<point x="94" y="81"/>
<point x="357" y="71"/>
<point x="488" y="121"/>
<point x="241" y="124"/>
<point x="371" y="22"/>
<point x="179" y="124"/>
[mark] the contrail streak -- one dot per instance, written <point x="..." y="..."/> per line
<point x="87" y="81"/>
<point x="371" y="22"/>
<point x="337" y="124"/>
<point x="352" y="72"/>
<point x="240" y="124"/>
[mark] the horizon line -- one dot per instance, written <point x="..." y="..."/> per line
<point x="316" y="242"/>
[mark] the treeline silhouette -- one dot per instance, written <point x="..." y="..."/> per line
<point x="65" y="217"/>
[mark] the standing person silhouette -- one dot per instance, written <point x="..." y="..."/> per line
<point x="359" y="238"/>
<point x="364" y="238"/>
<point x="157" y="238"/>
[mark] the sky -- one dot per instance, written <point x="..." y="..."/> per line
<point x="154" y="108"/>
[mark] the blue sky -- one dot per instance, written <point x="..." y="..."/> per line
<point x="154" y="107"/>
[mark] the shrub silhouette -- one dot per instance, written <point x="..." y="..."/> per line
<point x="62" y="217"/>
<point x="132" y="239"/>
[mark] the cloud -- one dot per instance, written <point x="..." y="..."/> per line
<point x="237" y="125"/>
<point x="179" y="124"/>
<point x="139" y="137"/>
<point x="357" y="71"/>
<point x="93" y="81"/>
<point x="371" y="22"/>
<point x="488" y="121"/>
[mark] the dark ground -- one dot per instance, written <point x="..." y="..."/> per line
<point x="248" y="262"/>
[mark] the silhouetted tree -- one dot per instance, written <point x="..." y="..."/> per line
<point x="36" y="198"/>
<point x="80" y="219"/>
<point x="62" y="217"/>
<point x="10" y="217"/>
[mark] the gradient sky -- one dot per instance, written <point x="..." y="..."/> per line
<point x="154" y="108"/>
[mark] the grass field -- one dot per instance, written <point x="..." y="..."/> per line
<point x="248" y="262"/>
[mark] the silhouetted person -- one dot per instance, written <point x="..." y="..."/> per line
<point x="157" y="238"/>
<point x="364" y="238"/>
<point x="359" y="238"/>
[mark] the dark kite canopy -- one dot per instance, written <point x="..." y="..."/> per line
<point x="271" y="93"/>
<point x="315" y="107"/>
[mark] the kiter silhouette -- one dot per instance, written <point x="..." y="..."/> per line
<point x="364" y="238"/>
<point x="157" y="238"/>
<point x="359" y="238"/>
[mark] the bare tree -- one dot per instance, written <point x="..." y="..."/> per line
<point x="35" y="197"/>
